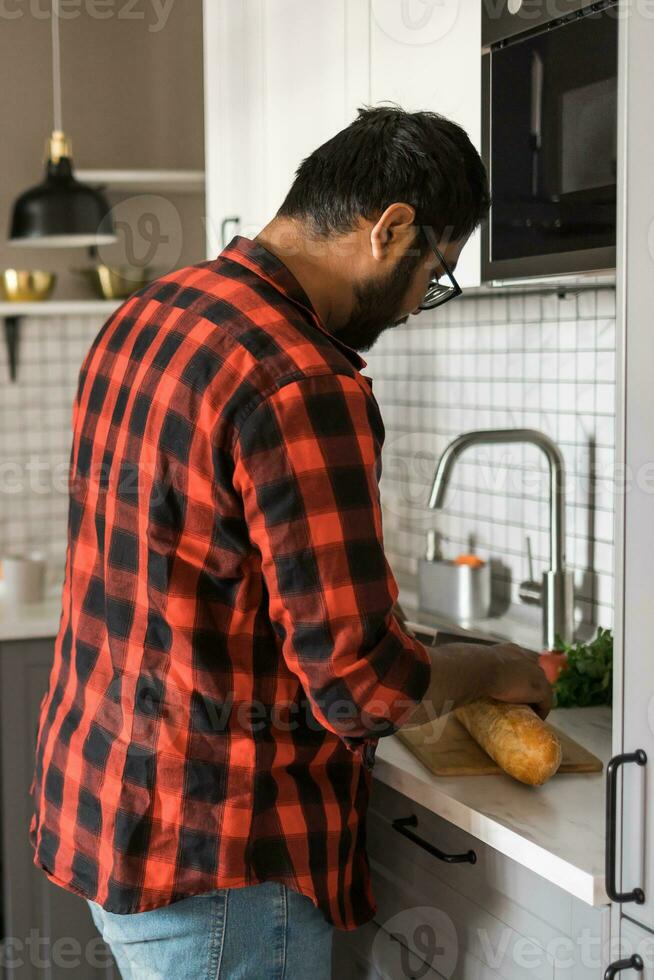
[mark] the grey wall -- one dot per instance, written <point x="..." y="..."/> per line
<point x="132" y="98"/>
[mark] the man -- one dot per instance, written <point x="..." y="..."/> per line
<point x="229" y="652"/>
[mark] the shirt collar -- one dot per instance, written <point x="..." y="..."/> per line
<point x="263" y="263"/>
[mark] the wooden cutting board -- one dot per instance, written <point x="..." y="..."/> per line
<point x="446" y="749"/>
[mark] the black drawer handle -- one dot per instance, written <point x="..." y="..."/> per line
<point x="402" y="825"/>
<point x="612" y="770"/>
<point x="633" y="963"/>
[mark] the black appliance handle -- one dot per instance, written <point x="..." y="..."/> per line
<point x="633" y="963"/>
<point x="224" y="225"/>
<point x="403" y="824"/>
<point x="612" y="771"/>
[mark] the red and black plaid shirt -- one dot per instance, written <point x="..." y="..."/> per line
<point x="227" y="655"/>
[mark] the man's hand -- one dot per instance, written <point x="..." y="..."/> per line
<point x="519" y="679"/>
<point x="464" y="672"/>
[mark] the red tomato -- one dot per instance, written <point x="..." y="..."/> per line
<point x="553" y="662"/>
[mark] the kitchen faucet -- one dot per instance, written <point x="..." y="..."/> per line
<point x="555" y="595"/>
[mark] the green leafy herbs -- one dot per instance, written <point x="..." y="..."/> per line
<point x="587" y="678"/>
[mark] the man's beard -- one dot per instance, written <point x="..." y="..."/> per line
<point x="377" y="306"/>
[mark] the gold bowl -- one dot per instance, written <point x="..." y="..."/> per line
<point x="116" y="282"/>
<point x="26" y="285"/>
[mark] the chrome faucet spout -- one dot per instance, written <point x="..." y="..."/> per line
<point x="557" y="587"/>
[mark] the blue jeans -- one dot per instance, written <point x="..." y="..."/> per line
<point x="262" y="932"/>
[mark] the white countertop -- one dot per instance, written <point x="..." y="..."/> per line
<point x="556" y="830"/>
<point x="30" y="620"/>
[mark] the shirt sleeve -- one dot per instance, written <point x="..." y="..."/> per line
<point x="306" y="465"/>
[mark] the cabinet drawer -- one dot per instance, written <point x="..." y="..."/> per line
<point x="510" y="919"/>
<point x="371" y="953"/>
<point x="494" y="879"/>
<point x="447" y="929"/>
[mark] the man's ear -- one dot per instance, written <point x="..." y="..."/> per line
<point x="389" y="235"/>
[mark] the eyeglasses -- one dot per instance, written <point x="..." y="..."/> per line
<point x="437" y="292"/>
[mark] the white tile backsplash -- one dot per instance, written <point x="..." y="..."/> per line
<point x="538" y="361"/>
<point x="35" y="418"/>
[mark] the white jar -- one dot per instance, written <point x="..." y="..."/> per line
<point x="24" y="577"/>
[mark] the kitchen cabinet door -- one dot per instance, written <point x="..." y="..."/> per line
<point x="635" y="953"/>
<point x="234" y="154"/>
<point x="48" y="932"/>
<point x="634" y="696"/>
<point x="281" y="78"/>
<point x="428" y="56"/>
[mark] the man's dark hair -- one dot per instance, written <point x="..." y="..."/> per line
<point x="388" y="155"/>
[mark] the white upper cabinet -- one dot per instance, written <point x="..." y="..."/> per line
<point x="283" y="76"/>
<point x="232" y="105"/>
<point x="426" y="54"/>
<point x="312" y="53"/>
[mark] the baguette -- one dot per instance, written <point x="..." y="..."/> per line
<point x="515" y="737"/>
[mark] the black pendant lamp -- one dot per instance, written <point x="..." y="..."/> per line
<point x="60" y="211"/>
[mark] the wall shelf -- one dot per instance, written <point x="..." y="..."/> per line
<point x="170" y="181"/>
<point x="58" y="307"/>
<point x="11" y="315"/>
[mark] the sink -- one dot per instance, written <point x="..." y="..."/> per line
<point x="519" y="624"/>
<point x="438" y="636"/>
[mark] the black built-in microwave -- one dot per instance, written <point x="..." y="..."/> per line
<point x="549" y="136"/>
